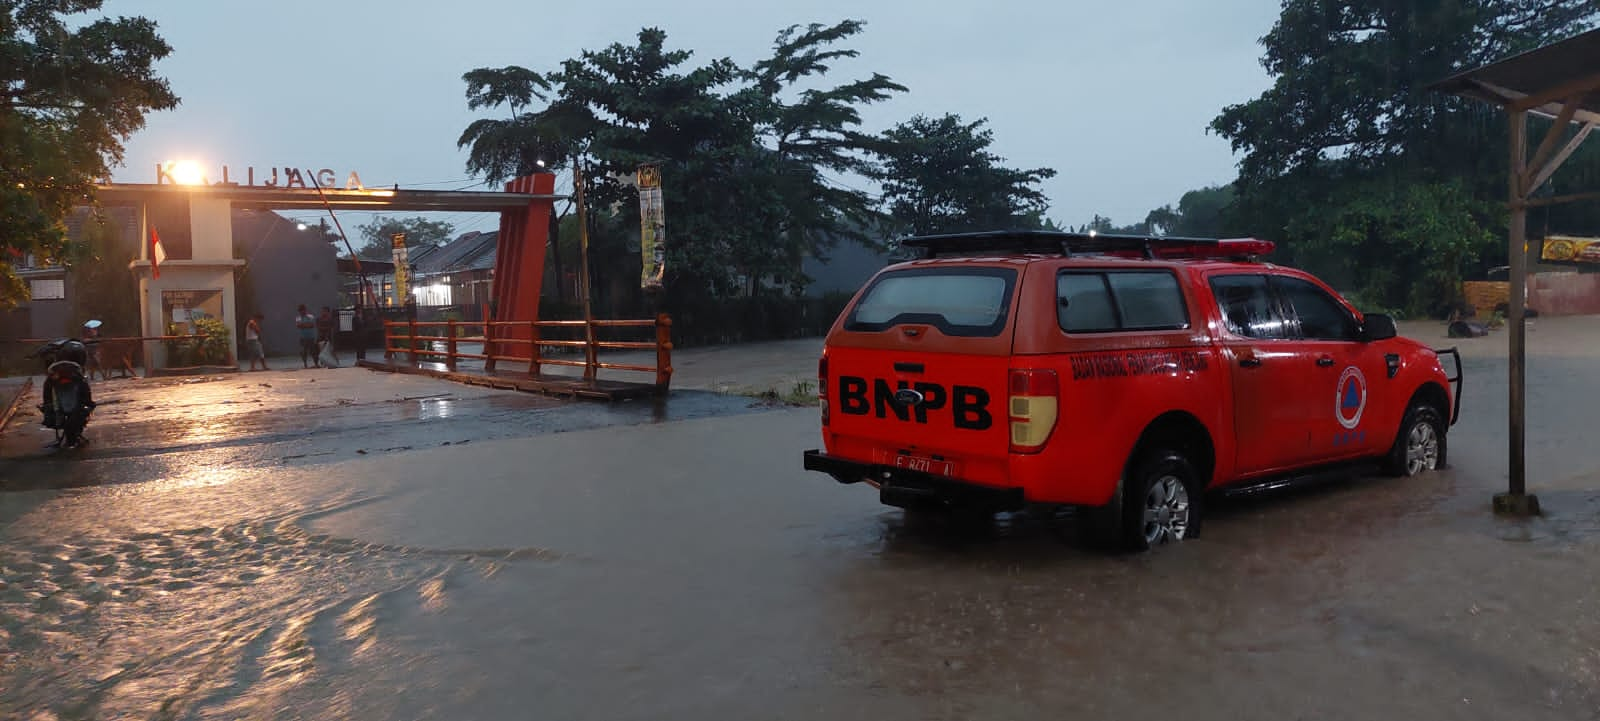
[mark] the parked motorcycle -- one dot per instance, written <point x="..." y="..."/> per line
<point x="68" y="400"/>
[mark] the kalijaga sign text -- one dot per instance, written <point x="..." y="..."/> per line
<point x="267" y="177"/>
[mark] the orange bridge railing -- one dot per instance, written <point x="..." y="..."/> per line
<point x="522" y="341"/>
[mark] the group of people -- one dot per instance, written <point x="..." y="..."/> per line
<point x="316" y="339"/>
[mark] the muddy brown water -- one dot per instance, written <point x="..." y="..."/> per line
<point x="583" y="561"/>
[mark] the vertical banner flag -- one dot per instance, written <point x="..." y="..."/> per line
<point x="158" y="254"/>
<point x="402" y="268"/>
<point x="652" y="227"/>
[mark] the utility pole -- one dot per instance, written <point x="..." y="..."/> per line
<point x="590" y="356"/>
<point x="1516" y="500"/>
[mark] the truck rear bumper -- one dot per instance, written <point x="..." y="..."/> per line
<point x="912" y="489"/>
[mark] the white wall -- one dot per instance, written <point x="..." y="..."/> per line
<point x="185" y="275"/>
<point x="211" y="227"/>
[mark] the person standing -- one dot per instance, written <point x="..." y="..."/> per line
<point x="326" y="355"/>
<point x="306" y="324"/>
<point x="91" y="338"/>
<point x="252" y="342"/>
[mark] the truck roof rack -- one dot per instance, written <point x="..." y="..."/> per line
<point x="1055" y="242"/>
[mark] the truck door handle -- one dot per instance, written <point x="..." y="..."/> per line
<point x="1325" y="361"/>
<point x="1250" y="362"/>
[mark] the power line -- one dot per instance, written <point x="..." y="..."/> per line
<point x="838" y="183"/>
<point x="437" y="182"/>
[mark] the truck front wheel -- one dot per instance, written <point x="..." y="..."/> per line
<point x="1420" y="446"/>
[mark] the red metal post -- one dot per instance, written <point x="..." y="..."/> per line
<point x="663" y="350"/>
<point x="450" y="346"/>
<point x="533" y="349"/>
<point x="488" y="338"/>
<point x="411" y="340"/>
<point x="520" y="251"/>
<point x="488" y="344"/>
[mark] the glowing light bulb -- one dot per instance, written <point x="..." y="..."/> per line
<point x="186" y="172"/>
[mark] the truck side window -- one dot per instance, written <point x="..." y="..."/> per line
<point x="1149" y="300"/>
<point x="1086" y="304"/>
<point x="1321" y="317"/>
<point x="1120" y="300"/>
<point x="1248" y="306"/>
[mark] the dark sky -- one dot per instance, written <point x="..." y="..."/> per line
<point x="1115" y="96"/>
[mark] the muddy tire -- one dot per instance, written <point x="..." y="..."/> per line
<point x="1420" y="445"/>
<point x="1158" y="503"/>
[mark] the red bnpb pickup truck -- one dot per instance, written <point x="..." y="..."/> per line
<point x="1126" y="375"/>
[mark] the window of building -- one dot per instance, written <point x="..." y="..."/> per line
<point x="48" y="289"/>
<point x="435" y="294"/>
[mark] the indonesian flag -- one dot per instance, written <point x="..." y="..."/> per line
<point x="158" y="255"/>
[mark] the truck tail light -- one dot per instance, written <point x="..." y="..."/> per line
<point x="1035" y="395"/>
<point x="822" y="386"/>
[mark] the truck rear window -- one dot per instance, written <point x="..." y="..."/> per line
<point x="958" y="301"/>
<point x="1113" y="300"/>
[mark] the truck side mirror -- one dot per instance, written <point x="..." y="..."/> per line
<point x="1377" y="326"/>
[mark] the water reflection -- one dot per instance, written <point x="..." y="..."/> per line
<point x="1009" y="617"/>
<point x="192" y="476"/>
<point x="203" y="430"/>
<point x="232" y="620"/>
<point x="431" y="409"/>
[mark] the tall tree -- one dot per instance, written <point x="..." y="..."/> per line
<point x="106" y="291"/>
<point x="519" y="144"/>
<point x="804" y="135"/>
<point x="938" y="175"/>
<point x="1199" y="214"/>
<point x="1349" y="130"/>
<point x="420" y="232"/>
<point x="71" y="93"/>
<point x="744" y="154"/>
<point x="612" y="109"/>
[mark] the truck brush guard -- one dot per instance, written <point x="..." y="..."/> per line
<point x="1456" y="381"/>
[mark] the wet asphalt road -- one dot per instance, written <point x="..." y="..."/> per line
<point x="675" y="563"/>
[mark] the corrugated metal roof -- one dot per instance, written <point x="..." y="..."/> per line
<point x="472" y="251"/>
<point x="1550" y="75"/>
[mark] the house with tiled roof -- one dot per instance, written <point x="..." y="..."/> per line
<point x="460" y="272"/>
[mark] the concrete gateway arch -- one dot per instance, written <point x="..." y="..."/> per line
<point x="207" y="274"/>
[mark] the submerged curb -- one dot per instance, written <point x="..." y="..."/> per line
<point x="15" y="402"/>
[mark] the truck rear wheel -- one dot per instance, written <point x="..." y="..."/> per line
<point x="1158" y="503"/>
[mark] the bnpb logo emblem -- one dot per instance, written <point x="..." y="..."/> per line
<point x="1351" y="399"/>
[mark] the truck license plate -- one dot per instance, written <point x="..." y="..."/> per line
<point x="925" y="465"/>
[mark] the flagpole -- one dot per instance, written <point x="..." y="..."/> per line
<point x="146" y="347"/>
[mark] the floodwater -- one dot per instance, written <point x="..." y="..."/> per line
<point x="577" y="560"/>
